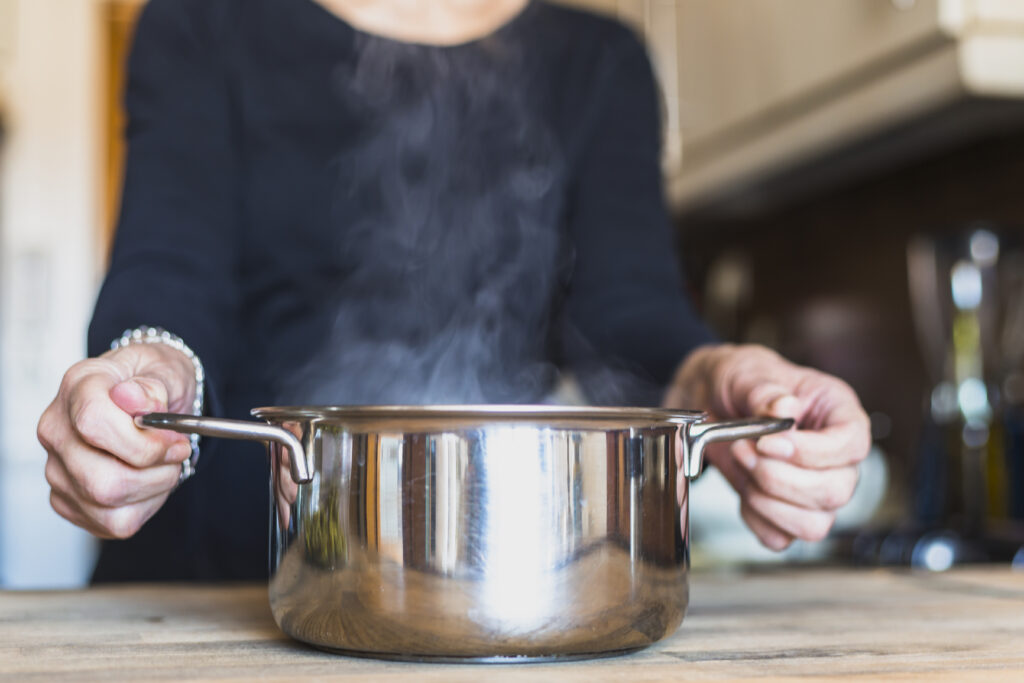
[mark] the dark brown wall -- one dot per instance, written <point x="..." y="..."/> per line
<point x="842" y="256"/>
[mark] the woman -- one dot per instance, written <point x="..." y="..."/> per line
<point x="424" y="201"/>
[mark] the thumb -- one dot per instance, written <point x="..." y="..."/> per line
<point x="770" y="399"/>
<point x="140" y="395"/>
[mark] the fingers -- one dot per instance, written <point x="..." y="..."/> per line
<point x="825" y="490"/>
<point x="796" y="521"/>
<point x="780" y="501"/>
<point x="103" y="495"/>
<point x="106" y="475"/>
<point x="814" y="489"/>
<point x="790" y="483"/>
<point x="140" y="395"/>
<point x="64" y="507"/>
<point x="837" y="446"/>
<point x="726" y="459"/>
<point x="111" y="500"/>
<point x="99" y="422"/>
<point x="100" y="481"/>
<point x="772" y="399"/>
<point x="770" y="535"/>
<point x="834" y="429"/>
<point x="119" y="523"/>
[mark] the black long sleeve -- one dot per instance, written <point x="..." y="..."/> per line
<point x="626" y="297"/>
<point x="327" y="216"/>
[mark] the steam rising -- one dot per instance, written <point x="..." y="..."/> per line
<point x="453" y="260"/>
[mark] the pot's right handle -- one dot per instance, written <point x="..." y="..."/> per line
<point x="234" y="429"/>
<point x="700" y="434"/>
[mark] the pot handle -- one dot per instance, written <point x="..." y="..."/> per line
<point x="234" y="429"/>
<point x="700" y="434"/>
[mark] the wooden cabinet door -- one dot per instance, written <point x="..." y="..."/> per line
<point x="119" y="17"/>
<point x="742" y="59"/>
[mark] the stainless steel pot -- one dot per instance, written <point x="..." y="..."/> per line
<point x="478" y="532"/>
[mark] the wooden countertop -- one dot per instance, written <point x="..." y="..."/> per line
<point x="783" y="624"/>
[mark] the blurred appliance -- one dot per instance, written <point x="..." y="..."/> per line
<point x="967" y="295"/>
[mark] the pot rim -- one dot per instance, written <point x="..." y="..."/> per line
<point x="506" y="413"/>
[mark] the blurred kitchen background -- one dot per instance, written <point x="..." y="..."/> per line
<point x="848" y="182"/>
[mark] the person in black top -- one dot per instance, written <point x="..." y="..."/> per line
<point x="341" y="202"/>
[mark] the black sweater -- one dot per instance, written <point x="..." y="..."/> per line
<point x="331" y="217"/>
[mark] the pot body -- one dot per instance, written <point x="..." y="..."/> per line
<point x="488" y="533"/>
<point x="479" y="536"/>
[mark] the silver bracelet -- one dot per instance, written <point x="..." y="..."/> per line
<point x="158" y="335"/>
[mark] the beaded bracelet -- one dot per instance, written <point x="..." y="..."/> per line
<point x="158" y="335"/>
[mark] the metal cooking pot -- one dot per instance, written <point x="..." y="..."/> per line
<point x="478" y="532"/>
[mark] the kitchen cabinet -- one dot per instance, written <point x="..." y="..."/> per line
<point x="118" y="28"/>
<point x="770" y="99"/>
<point x="767" y="88"/>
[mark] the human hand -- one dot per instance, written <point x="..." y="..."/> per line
<point x="790" y="484"/>
<point x="105" y="474"/>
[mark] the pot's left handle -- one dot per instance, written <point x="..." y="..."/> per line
<point x="234" y="429"/>
<point x="700" y="434"/>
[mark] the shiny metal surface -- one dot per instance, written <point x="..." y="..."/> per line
<point x="702" y="434"/>
<point x="465" y="413"/>
<point x="233" y="429"/>
<point x="488" y="534"/>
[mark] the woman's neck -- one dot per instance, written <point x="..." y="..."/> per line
<point x="433" y="22"/>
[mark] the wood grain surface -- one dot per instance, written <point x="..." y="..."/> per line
<point x="780" y="625"/>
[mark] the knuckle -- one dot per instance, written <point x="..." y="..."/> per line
<point x="171" y="479"/>
<point x="51" y="472"/>
<point x="842" y="491"/>
<point x="776" y="541"/>
<point x="816" y="527"/>
<point x="46" y="431"/>
<point x="71" y="378"/>
<point x="770" y="536"/>
<point x="776" y="482"/>
<point x="107" y="491"/>
<point x="76" y="373"/>
<point x="833" y="383"/>
<point x="59" y="507"/>
<point x="146" y="453"/>
<point x="835" y="495"/>
<point x="755" y="354"/>
<point x="863" y="446"/>
<point x="769" y="481"/>
<point x="121" y="523"/>
<point x="91" y="421"/>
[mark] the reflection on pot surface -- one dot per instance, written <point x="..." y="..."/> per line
<point x="504" y="541"/>
<point x="482" y="532"/>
